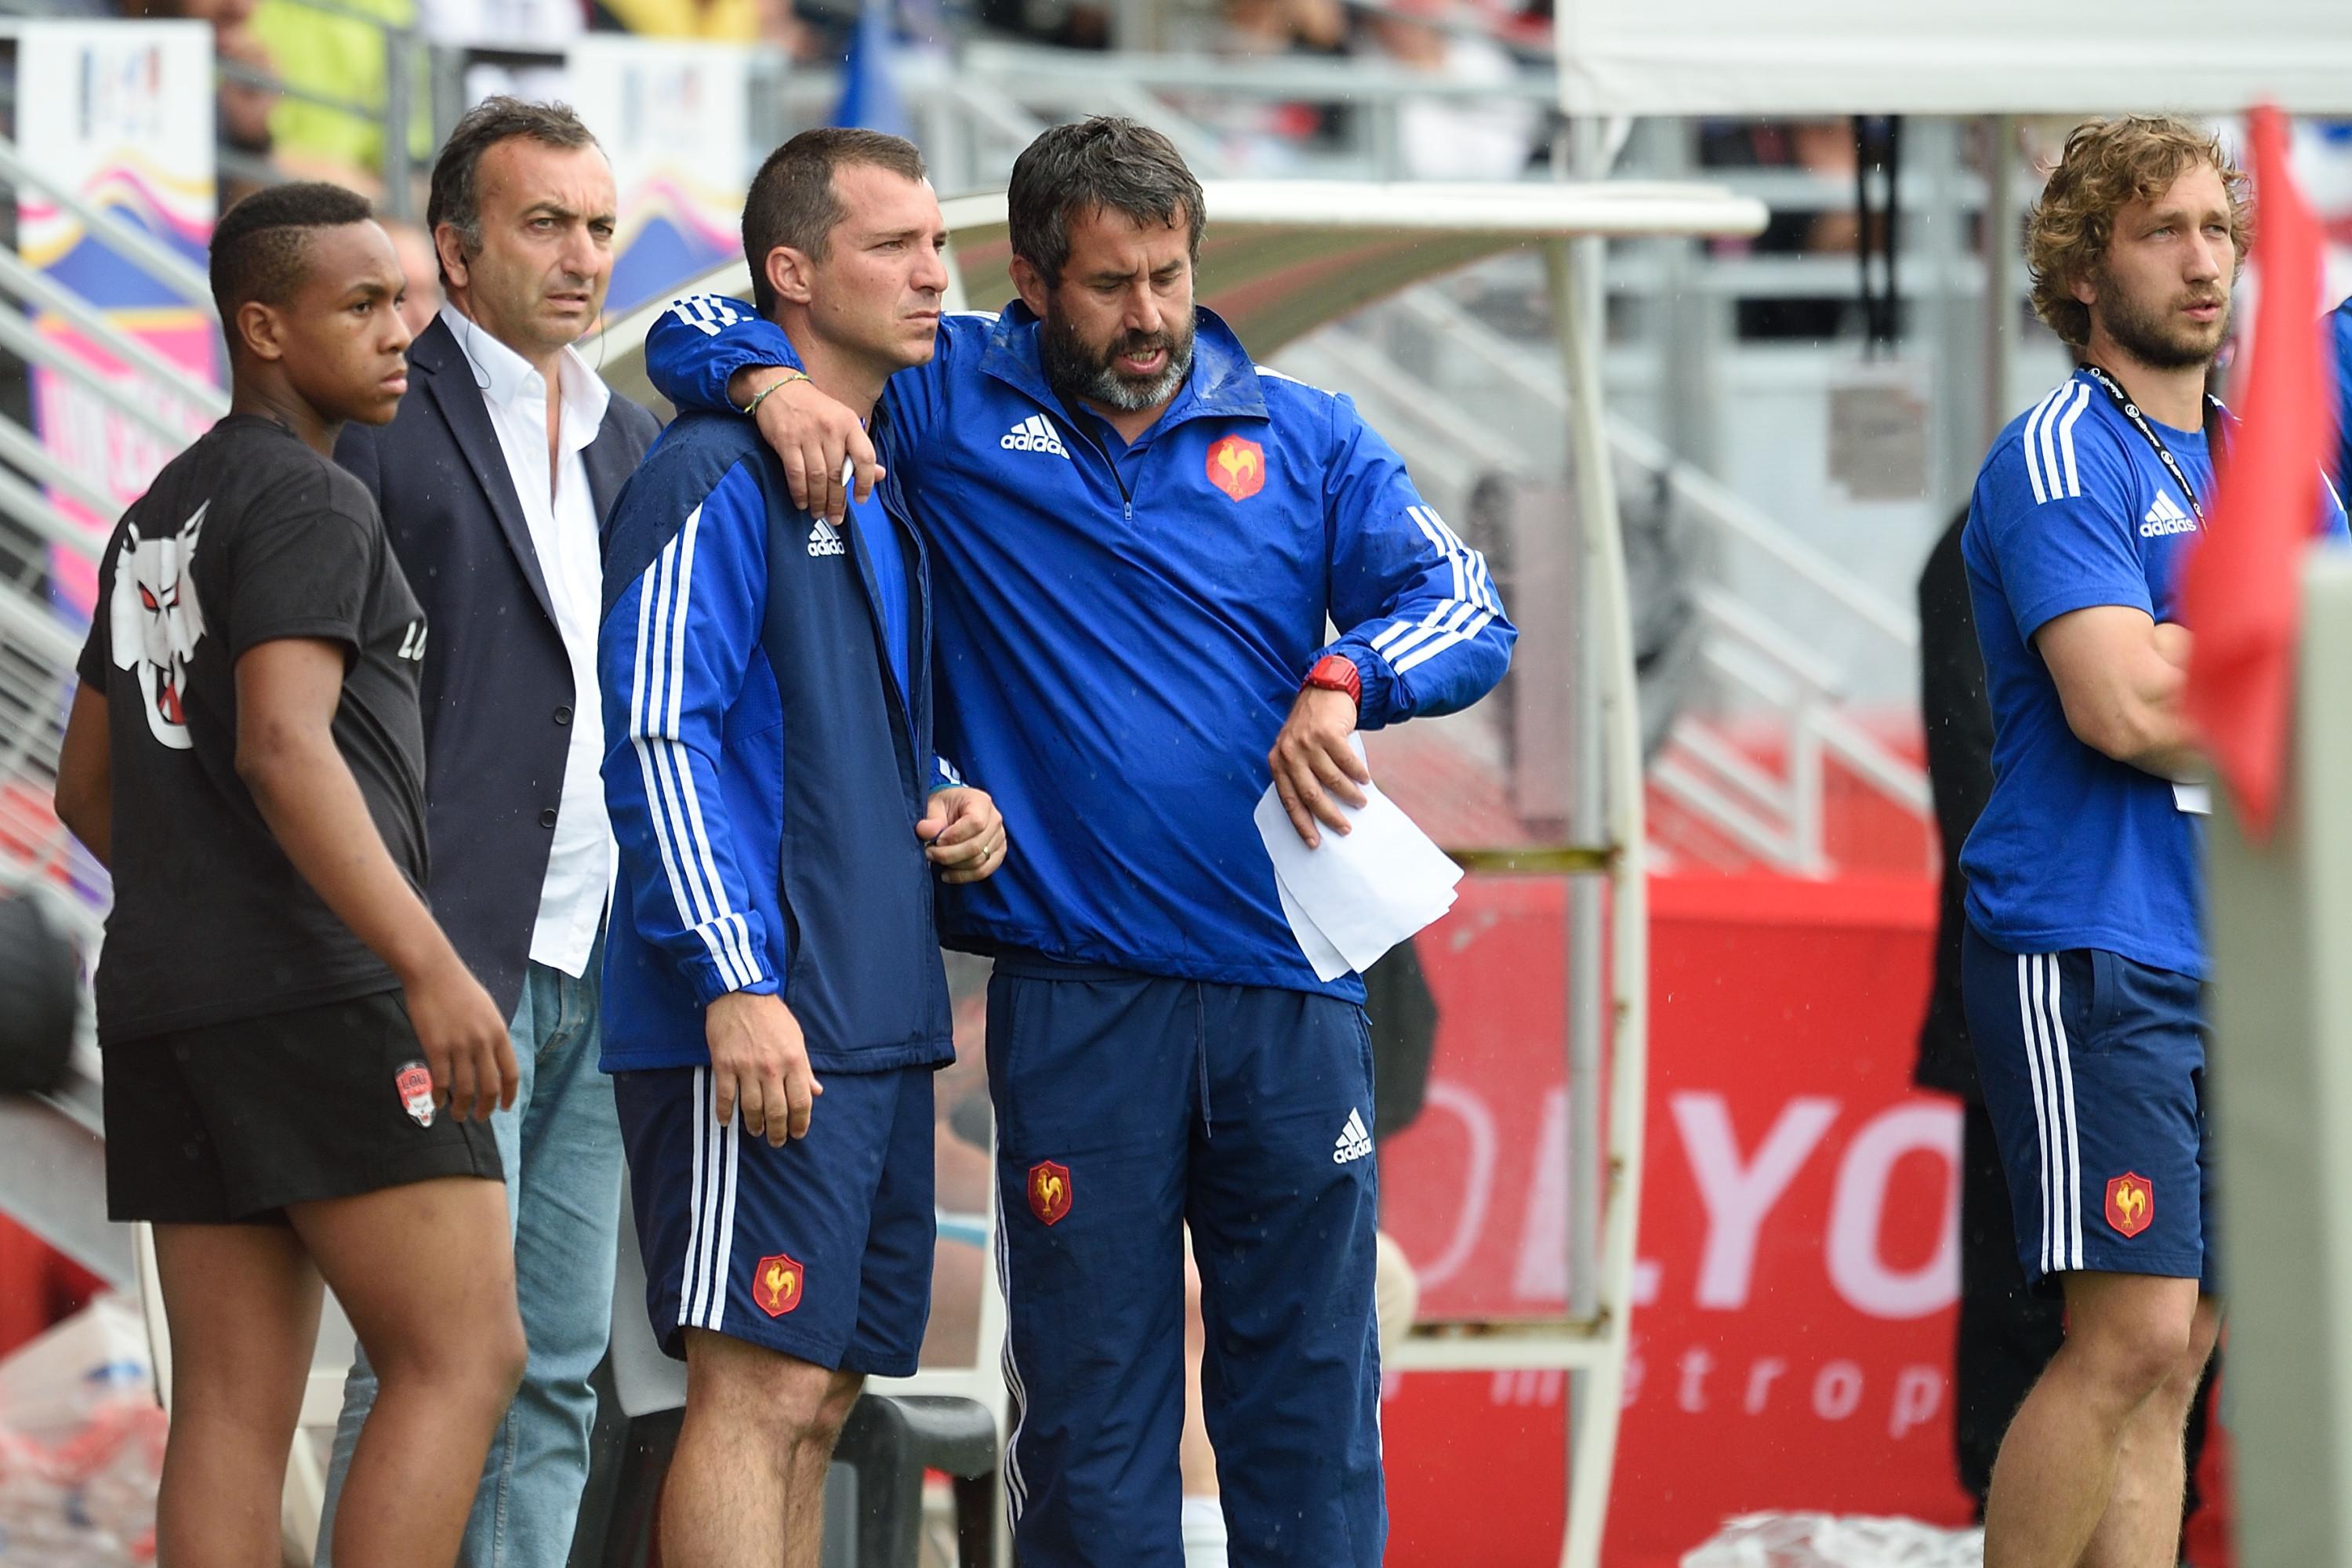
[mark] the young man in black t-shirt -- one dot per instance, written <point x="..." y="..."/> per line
<point x="299" y="1071"/>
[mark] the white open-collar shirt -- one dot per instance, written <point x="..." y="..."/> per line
<point x="561" y="517"/>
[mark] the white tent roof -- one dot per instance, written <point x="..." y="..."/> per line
<point x="1980" y="57"/>
<point x="1283" y="257"/>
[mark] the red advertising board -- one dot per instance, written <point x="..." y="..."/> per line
<point x="1798" y="1265"/>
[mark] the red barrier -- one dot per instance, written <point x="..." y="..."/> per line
<point x="1798" y="1228"/>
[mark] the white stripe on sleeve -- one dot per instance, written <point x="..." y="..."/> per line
<point x="655" y="701"/>
<point x="652" y="624"/>
<point x="2031" y="445"/>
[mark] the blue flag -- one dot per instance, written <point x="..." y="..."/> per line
<point x="869" y="98"/>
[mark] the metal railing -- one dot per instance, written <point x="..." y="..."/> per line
<point x="1781" y="819"/>
<point x="50" y="1163"/>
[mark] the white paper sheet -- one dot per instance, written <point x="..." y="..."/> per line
<point x="1328" y="961"/>
<point x="1360" y="892"/>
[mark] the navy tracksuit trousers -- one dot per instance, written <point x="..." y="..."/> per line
<point x="1128" y="1106"/>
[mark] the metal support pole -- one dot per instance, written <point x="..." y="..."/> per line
<point x="1944" y="333"/>
<point x="2001" y="258"/>
<point x="1605" y="807"/>
<point x="399" y="114"/>
<point x="1611" y="784"/>
<point x="1572" y="267"/>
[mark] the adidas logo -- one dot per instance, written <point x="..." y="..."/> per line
<point x="2165" y="517"/>
<point x="1034" y="434"/>
<point x="1355" y="1140"/>
<point x="823" y="539"/>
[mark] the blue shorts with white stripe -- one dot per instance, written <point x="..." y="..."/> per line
<point x="2092" y="1068"/>
<point x="821" y="1249"/>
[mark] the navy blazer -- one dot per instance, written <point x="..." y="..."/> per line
<point x="497" y="693"/>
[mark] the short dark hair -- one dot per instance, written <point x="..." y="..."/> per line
<point x="792" y="202"/>
<point x="456" y="197"/>
<point x="261" y="247"/>
<point x="1103" y="165"/>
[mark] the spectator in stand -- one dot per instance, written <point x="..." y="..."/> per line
<point x="1488" y="138"/>
<point x="1259" y="137"/>
<point x="1823" y="148"/>
<point x="342" y="57"/>
<point x="243" y="119"/>
<point x="1063" y="24"/>
<point x="774" y="23"/>
<point x="542" y="25"/>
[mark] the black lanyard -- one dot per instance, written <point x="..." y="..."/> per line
<point x="2213" y="433"/>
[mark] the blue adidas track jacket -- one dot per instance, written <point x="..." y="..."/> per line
<point x="764" y="771"/>
<point x="1123" y="629"/>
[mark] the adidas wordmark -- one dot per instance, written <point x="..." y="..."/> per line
<point x="1034" y="434"/>
<point x="2165" y="517"/>
<point x="1355" y="1140"/>
<point x="823" y="539"/>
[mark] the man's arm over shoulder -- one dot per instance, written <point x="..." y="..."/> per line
<point x="697" y="348"/>
<point x="709" y="353"/>
<point x="2056" y="510"/>
<point x="696" y="345"/>
<point x="1418" y="613"/>
<point x="680" y="635"/>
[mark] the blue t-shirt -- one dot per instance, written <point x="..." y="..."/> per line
<point x="877" y="544"/>
<point x="2074" y="509"/>
<point x="2339" y="355"/>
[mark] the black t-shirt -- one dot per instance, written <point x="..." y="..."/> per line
<point x="247" y="537"/>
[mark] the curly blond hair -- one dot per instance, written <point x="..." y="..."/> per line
<point x="2107" y="164"/>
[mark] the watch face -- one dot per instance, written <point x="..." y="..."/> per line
<point x="1333" y="672"/>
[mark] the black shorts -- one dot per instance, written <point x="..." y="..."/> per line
<point x="230" y="1122"/>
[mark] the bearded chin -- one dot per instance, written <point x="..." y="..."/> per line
<point x="1078" y="374"/>
<point x="2144" y="337"/>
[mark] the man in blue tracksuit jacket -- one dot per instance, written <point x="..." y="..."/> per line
<point x="1140" y="535"/>
<point x="779" y="814"/>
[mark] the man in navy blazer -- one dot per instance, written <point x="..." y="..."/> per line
<point x="495" y="478"/>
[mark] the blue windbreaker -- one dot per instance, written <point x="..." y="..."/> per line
<point x="1121" y="629"/>
<point x="764" y="770"/>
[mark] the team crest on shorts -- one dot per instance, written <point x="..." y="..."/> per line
<point x="415" y="1086"/>
<point x="1237" y="467"/>
<point x="776" y="1284"/>
<point x="2131" y="1204"/>
<point x="1049" y="1190"/>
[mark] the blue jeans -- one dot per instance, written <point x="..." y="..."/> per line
<point x="561" y="1145"/>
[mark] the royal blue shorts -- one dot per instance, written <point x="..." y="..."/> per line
<point x="821" y="1249"/>
<point x="1128" y="1105"/>
<point x="2094" y="1075"/>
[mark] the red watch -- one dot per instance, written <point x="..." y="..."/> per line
<point x="1337" y="672"/>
